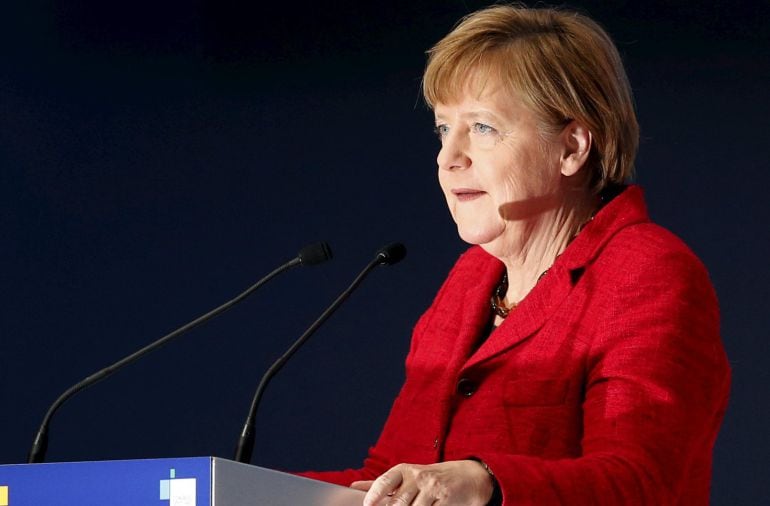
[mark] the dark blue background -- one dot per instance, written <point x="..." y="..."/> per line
<point x="158" y="157"/>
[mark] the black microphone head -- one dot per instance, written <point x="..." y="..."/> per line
<point x="315" y="253"/>
<point x="391" y="254"/>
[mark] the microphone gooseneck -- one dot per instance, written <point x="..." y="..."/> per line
<point x="387" y="255"/>
<point x="309" y="255"/>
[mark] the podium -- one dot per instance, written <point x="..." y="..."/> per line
<point x="195" y="481"/>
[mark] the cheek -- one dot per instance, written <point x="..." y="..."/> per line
<point x="512" y="186"/>
<point x="528" y="173"/>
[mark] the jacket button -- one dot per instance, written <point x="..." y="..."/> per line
<point x="466" y="387"/>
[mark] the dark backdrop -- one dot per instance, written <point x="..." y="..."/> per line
<point x="158" y="157"/>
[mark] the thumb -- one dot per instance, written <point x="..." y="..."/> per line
<point x="362" y="485"/>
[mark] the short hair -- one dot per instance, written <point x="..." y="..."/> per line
<point x="562" y="64"/>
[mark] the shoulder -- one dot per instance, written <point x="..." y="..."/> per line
<point x="652" y="288"/>
<point x="635" y="269"/>
<point x="647" y="251"/>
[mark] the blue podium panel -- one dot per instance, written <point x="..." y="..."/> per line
<point x="161" y="482"/>
<point x="197" y="481"/>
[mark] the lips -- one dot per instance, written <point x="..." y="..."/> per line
<point x="467" y="194"/>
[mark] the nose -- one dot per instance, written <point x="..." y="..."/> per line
<point x="453" y="154"/>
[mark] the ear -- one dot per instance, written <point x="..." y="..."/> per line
<point x="577" y="141"/>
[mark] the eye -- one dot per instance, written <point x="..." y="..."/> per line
<point x="441" y="131"/>
<point x="481" y="128"/>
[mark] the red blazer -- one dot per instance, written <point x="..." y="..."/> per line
<point x="606" y="385"/>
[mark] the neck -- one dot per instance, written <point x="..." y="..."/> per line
<point x="535" y="242"/>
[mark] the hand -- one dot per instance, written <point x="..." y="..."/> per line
<point x="460" y="482"/>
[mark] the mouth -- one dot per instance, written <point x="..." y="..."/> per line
<point x="467" y="194"/>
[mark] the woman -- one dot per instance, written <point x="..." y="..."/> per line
<point x="573" y="354"/>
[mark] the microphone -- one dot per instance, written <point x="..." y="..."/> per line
<point x="387" y="255"/>
<point x="391" y="254"/>
<point x="309" y="255"/>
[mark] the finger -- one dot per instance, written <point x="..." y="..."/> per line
<point x="403" y="496"/>
<point x="362" y="485"/>
<point x="387" y="482"/>
<point x="424" y="499"/>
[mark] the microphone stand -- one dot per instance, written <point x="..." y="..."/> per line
<point x="309" y="255"/>
<point x="387" y="255"/>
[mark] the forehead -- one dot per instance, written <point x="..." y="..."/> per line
<point x="480" y="96"/>
<point x="477" y="83"/>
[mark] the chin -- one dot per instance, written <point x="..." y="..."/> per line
<point x="480" y="236"/>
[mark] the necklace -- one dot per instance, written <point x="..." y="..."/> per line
<point x="496" y="301"/>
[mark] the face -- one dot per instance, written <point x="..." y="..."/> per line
<point x="499" y="175"/>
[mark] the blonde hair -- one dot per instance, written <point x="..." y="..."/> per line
<point x="562" y="64"/>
